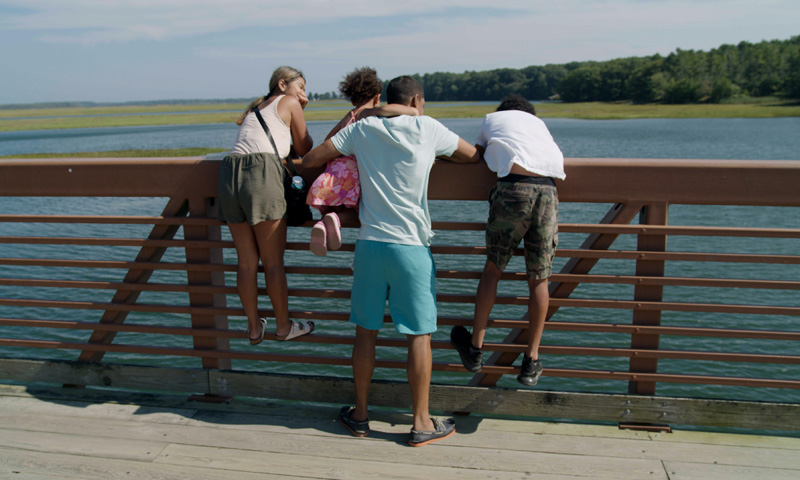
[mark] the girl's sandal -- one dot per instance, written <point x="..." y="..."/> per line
<point x="256" y="341"/>
<point x="298" y="329"/>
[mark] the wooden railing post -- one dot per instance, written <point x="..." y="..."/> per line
<point x="651" y="214"/>
<point x="202" y="207"/>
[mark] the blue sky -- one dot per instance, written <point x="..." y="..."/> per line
<point x="114" y="50"/>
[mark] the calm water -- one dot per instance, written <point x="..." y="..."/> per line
<point x="764" y="139"/>
<point x="772" y="139"/>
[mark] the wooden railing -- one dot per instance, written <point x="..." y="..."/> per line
<point x="116" y="305"/>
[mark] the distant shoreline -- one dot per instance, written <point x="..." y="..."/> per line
<point x="328" y="110"/>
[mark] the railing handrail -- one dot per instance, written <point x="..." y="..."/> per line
<point x="672" y="181"/>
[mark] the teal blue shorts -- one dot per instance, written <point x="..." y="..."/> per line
<point x="406" y="274"/>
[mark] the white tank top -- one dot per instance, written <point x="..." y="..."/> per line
<point x="252" y="139"/>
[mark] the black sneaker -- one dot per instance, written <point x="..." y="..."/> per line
<point x="442" y="429"/>
<point x="471" y="358"/>
<point x="359" y="428"/>
<point x="530" y="371"/>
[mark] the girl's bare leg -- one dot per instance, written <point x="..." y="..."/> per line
<point x="347" y="216"/>
<point x="271" y="238"/>
<point x="247" y="272"/>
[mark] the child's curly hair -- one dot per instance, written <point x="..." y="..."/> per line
<point x="515" y="101"/>
<point x="360" y="85"/>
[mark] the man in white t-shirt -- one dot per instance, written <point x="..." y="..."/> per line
<point x="392" y="255"/>
<point x="524" y="205"/>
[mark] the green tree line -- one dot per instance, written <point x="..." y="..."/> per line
<point x="768" y="68"/>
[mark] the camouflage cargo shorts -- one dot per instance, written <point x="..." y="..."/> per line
<point x="523" y="211"/>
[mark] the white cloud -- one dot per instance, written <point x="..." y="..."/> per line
<point x="97" y="21"/>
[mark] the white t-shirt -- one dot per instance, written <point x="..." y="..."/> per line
<point x="514" y="136"/>
<point x="252" y="139"/>
<point x="395" y="156"/>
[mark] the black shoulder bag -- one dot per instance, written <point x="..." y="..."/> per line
<point x="295" y="191"/>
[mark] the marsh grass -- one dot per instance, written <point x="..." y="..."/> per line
<point x="129" y="116"/>
<point x="621" y="111"/>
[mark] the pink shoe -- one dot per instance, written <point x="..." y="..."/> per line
<point x="334" y="231"/>
<point x="317" y="245"/>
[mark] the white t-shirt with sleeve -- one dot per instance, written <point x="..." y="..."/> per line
<point x="514" y="136"/>
<point x="395" y="156"/>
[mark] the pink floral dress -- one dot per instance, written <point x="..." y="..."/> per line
<point x="338" y="184"/>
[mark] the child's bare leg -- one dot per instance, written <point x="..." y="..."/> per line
<point x="537" y="314"/>
<point x="347" y="216"/>
<point x="484" y="301"/>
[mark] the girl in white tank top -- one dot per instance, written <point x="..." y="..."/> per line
<point x="251" y="173"/>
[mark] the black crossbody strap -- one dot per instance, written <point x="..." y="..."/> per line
<point x="289" y="161"/>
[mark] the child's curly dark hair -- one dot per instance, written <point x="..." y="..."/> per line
<point x="360" y="85"/>
<point x="516" y="101"/>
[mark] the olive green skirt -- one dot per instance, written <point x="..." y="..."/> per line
<point x="250" y="188"/>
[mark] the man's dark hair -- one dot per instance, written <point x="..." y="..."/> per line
<point x="402" y="89"/>
<point x="516" y="101"/>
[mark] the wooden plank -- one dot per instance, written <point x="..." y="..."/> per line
<point x="105" y="375"/>
<point x="678" y="181"/>
<point x="717" y="438"/>
<point x="439" y="460"/>
<point x="202" y="207"/>
<point x="640" y="449"/>
<point x="21" y="464"/>
<point x="13" y="410"/>
<point x="599" y="180"/>
<point x="676" y="230"/>
<point x="216" y="430"/>
<point x="694" y="471"/>
<point x="111" y="219"/>
<point x="237" y="430"/>
<point x="651" y="214"/>
<point x="81" y="444"/>
<point x="331" y="445"/>
<point x="599" y="407"/>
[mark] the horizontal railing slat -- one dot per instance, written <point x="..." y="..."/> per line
<point x="474" y="275"/>
<point x="680" y="230"/>
<point x="616" y="328"/>
<point x="464" y="226"/>
<point x="110" y="219"/>
<point x="442" y="298"/>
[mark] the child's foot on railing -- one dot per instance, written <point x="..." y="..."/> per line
<point x="333" y="229"/>
<point x="318" y="239"/>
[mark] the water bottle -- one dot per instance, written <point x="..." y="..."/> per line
<point x="298" y="183"/>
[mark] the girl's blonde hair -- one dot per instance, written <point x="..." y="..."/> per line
<point x="287" y="74"/>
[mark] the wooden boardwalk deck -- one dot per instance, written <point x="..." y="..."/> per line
<point x="60" y="433"/>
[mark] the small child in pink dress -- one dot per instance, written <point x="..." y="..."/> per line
<point x="336" y="192"/>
